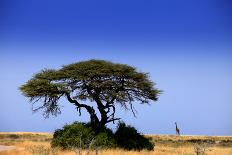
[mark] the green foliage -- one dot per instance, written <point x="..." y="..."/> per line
<point x="81" y="135"/>
<point x="104" y="140"/>
<point x="102" y="82"/>
<point x="95" y="80"/>
<point x="127" y="137"/>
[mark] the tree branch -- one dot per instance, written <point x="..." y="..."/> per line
<point x="78" y="105"/>
<point x="113" y="119"/>
<point x="133" y="109"/>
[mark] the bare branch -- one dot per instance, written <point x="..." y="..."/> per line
<point x="113" y="119"/>
<point x="133" y="109"/>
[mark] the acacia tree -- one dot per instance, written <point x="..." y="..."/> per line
<point x="95" y="81"/>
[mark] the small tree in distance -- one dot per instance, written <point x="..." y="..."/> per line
<point x="100" y="82"/>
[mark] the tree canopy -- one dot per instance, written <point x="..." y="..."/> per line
<point x="96" y="81"/>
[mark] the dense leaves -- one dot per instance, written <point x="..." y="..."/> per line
<point x="97" y="81"/>
<point x="82" y="135"/>
<point x="127" y="137"/>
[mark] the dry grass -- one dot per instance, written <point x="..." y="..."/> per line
<point x="165" y="145"/>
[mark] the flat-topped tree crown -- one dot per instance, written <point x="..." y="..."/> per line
<point x="101" y="82"/>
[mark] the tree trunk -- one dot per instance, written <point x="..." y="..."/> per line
<point x="94" y="121"/>
<point x="96" y="124"/>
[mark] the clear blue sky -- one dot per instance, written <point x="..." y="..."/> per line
<point x="185" y="45"/>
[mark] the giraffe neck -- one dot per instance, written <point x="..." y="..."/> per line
<point x="176" y="127"/>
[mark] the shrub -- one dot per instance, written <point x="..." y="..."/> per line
<point x="127" y="137"/>
<point x="78" y="136"/>
<point x="104" y="140"/>
<point x="81" y="135"/>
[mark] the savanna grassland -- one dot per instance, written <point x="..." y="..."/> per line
<point x="27" y="143"/>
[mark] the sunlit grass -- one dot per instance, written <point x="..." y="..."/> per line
<point x="165" y="145"/>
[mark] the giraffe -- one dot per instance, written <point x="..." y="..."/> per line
<point x="177" y="130"/>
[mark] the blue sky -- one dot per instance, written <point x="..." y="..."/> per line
<point x="184" y="45"/>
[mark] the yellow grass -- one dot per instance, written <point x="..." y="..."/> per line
<point x="165" y="145"/>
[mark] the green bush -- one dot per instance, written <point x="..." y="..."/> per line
<point x="81" y="135"/>
<point x="127" y="137"/>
